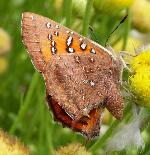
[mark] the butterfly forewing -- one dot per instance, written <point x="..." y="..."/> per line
<point x="46" y="38"/>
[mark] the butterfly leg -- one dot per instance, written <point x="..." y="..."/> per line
<point x="124" y="64"/>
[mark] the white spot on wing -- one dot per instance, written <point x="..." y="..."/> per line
<point x="93" y="51"/>
<point x="83" y="46"/>
<point x="48" y="25"/>
<point x="92" y="83"/>
<point x="80" y="39"/>
<point x="57" y="26"/>
<point x="53" y="43"/>
<point x="49" y="36"/>
<point x="71" y="50"/>
<point x="32" y="17"/>
<point x="69" y="41"/>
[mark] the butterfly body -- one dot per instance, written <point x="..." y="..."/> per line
<point x="81" y="77"/>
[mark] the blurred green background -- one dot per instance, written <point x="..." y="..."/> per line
<point x="23" y="110"/>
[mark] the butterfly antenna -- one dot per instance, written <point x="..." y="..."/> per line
<point x="94" y="34"/>
<point x="122" y="21"/>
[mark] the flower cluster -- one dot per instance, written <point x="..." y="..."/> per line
<point x="11" y="146"/>
<point x="72" y="149"/>
<point x="141" y="16"/>
<point x="140" y="81"/>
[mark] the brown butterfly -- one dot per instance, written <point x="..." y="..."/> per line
<point x="82" y="77"/>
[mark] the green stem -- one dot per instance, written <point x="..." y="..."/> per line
<point x="64" y="7"/>
<point x="127" y="30"/>
<point x="87" y="17"/>
<point x="42" y="127"/>
<point x="34" y="122"/>
<point x="68" y="12"/>
<point x="26" y="103"/>
<point x="49" y="133"/>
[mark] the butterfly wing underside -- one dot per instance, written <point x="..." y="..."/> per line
<point x="81" y="77"/>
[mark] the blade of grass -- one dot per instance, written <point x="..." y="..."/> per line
<point x="87" y="17"/>
<point x="24" y="107"/>
<point x="41" y="136"/>
<point x="127" y="30"/>
<point x="68" y="11"/>
<point x="49" y="129"/>
<point x="33" y="123"/>
<point x="64" y="7"/>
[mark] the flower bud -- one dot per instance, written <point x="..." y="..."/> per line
<point x="112" y="7"/>
<point x="11" y="146"/>
<point x="5" y="42"/>
<point x="72" y="149"/>
<point x="141" y="15"/>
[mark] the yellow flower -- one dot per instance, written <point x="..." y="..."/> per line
<point x="106" y="117"/>
<point x="112" y="6"/>
<point x="141" y="15"/>
<point x="5" y="41"/>
<point x="140" y="81"/>
<point x="72" y="149"/>
<point x="11" y="146"/>
<point x="143" y="59"/>
<point x="58" y="4"/>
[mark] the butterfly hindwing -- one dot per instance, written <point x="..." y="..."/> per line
<point x="80" y="83"/>
<point x="88" y="126"/>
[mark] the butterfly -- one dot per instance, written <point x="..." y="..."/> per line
<point x="81" y="77"/>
